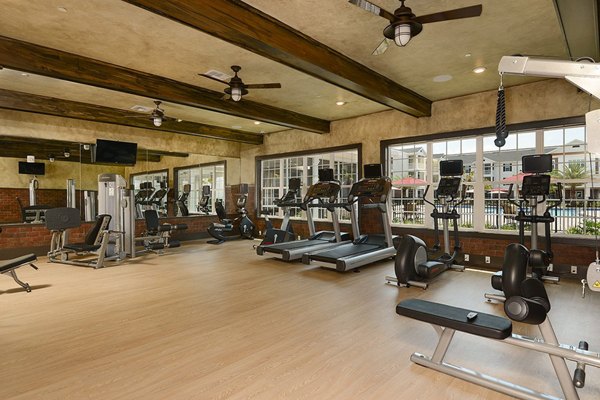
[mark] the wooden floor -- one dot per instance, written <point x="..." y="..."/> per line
<point x="220" y="322"/>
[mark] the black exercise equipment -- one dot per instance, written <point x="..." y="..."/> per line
<point x="371" y="192"/>
<point x="182" y="201"/>
<point x="158" y="236"/>
<point x="531" y="306"/>
<point x="240" y="228"/>
<point x="413" y="266"/>
<point x="60" y="220"/>
<point x="534" y="191"/>
<point x="325" y="192"/>
<point x="9" y="267"/>
<point x="285" y="233"/>
<point x="204" y="203"/>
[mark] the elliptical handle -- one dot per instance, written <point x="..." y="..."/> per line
<point x="509" y="196"/>
<point x="425" y="196"/>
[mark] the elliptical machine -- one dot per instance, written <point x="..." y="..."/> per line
<point x="285" y="233"/>
<point x="204" y="203"/>
<point x="534" y="191"/>
<point x="240" y="228"/>
<point x="413" y="266"/>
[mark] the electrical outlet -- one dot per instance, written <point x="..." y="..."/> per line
<point x="467" y="257"/>
<point x="550" y="267"/>
<point x="299" y="237"/>
<point x="488" y="259"/>
<point x="259" y="233"/>
<point x="573" y="269"/>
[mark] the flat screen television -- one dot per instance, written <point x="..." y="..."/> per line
<point x="373" y="171"/>
<point x="113" y="152"/>
<point x="36" y="168"/>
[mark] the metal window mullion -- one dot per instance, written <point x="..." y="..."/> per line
<point x="428" y="222"/>
<point x="479" y="187"/>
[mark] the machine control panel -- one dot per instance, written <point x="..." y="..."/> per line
<point x="323" y="190"/>
<point x="371" y="187"/>
<point x="535" y="185"/>
<point x="448" y="187"/>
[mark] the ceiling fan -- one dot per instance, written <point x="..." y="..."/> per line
<point x="157" y="116"/>
<point x="405" y="25"/>
<point x="237" y="88"/>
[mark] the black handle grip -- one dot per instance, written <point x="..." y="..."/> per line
<point x="579" y="377"/>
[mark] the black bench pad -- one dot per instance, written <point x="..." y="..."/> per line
<point x="486" y="325"/>
<point x="7" y="265"/>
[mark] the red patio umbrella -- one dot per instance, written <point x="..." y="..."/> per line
<point x="518" y="178"/>
<point x="409" y="181"/>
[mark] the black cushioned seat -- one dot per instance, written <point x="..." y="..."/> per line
<point x="485" y="325"/>
<point x="6" y="265"/>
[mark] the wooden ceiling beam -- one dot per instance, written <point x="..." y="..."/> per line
<point x="242" y="25"/>
<point x="40" y="60"/>
<point x="42" y="149"/>
<point x="21" y="101"/>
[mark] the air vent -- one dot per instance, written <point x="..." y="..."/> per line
<point x="218" y="74"/>
<point x="141" y="109"/>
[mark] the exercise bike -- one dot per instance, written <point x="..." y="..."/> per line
<point x="285" y="233"/>
<point x="534" y="191"/>
<point x="413" y="266"/>
<point x="240" y="228"/>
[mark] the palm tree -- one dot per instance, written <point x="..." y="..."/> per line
<point x="573" y="170"/>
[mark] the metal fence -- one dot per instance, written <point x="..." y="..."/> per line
<point x="578" y="217"/>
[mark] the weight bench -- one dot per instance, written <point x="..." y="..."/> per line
<point x="446" y="320"/>
<point x="60" y="220"/>
<point x="9" y="267"/>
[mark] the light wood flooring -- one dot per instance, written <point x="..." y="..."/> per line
<point x="220" y="322"/>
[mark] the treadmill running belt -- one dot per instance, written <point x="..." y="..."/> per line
<point x="280" y="247"/>
<point x="344" y="251"/>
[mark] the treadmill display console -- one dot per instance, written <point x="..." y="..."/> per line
<point x="536" y="185"/>
<point x="448" y="187"/>
<point x="323" y="189"/>
<point x="371" y="187"/>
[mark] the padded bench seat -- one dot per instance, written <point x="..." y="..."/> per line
<point x="486" y="325"/>
<point x="7" y="265"/>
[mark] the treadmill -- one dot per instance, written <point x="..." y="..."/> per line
<point x="326" y="188"/>
<point x="371" y="192"/>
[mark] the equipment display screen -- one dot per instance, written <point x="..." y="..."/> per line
<point x="536" y="185"/>
<point x="448" y="187"/>
<point x="451" y="167"/>
<point x="373" y="171"/>
<point x="326" y="175"/>
<point x="537" y="163"/>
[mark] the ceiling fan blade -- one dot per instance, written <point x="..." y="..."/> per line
<point x="383" y="46"/>
<point x="263" y="86"/>
<point x="466" y="12"/>
<point x="225" y="97"/>
<point x="373" y="8"/>
<point x="214" y="79"/>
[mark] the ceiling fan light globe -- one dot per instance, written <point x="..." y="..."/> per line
<point x="236" y="94"/>
<point x="402" y="34"/>
<point x="157" y="121"/>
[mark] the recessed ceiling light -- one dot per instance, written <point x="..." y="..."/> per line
<point x="236" y="126"/>
<point x="442" y="78"/>
<point x="479" y="70"/>
<point x="179" y="120"/>
<point x="340" y="103"/>
<point x="24" y="74"/>
<point x="256" y="122"/>
<point x="468" y="55"/>
<point x="62" y="9"/>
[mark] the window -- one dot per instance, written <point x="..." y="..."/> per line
<point x="197" y="176"/>
<point x="574" y="162"/>
<point x="275" y="173"/>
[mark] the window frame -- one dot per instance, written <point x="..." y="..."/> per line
<point x="303" y="153"/>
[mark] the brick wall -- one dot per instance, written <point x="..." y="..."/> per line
<point x="18" y="239"/>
